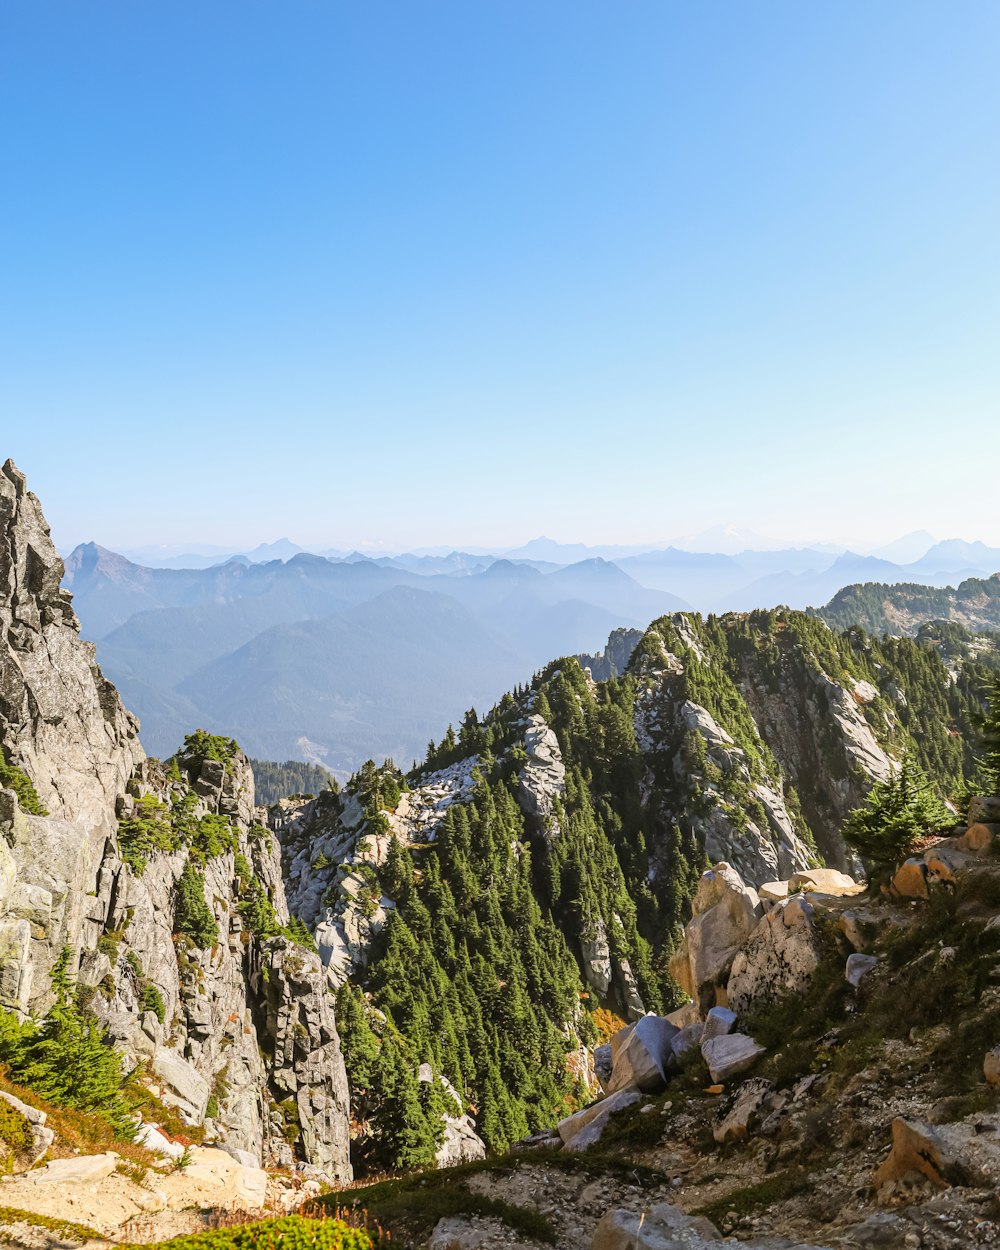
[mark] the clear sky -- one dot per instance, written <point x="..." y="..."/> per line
<point x="426" y="272"/>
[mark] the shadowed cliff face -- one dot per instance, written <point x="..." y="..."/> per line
<point x="240" y="1031"/>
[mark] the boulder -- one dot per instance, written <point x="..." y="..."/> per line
<point x="984" y="809"/>
<point x="773" y="891"/>
<point x="683" y="1016"/>
<point x="745" y="1106"/>
<point x="825" y="881"/>
<point x="718" y="1022"/>
<point x="780" y="956"/>
<point x="730" y="1055"/>
<point x="724" y="913"/>
<point x="586" y="1127"/>
<point x="978" y="837"/>
<point x="641" y="1055"/>
<point x="149" y="1135"/>
<point x="944" y="862"/>
<point x="83" y="1170"/>
<point x="661" y="1227"/>
<point x="689" y="1038"/>
<point x="910" y="880"/>
<point x="991" y="1066"/>
<point x="917" y="1147"/>
<point x="858" y="967"/>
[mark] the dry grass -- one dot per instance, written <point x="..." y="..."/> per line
<point x="77" y="1131"/>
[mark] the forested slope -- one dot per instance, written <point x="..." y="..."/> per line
<point x="504" y="903"/>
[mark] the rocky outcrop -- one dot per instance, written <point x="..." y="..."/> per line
<point x="228" y="1025"/>
<point x="779" y="957"/>
<point x="725" y="911"/>
<point x="697" y="775"/>
<point x="542" y="780"/>
<point x="641" y="1055"/>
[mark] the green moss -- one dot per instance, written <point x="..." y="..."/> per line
<point x="65" y="1228"/>
<point x="290" y="1232"/>
<point x="13" y="778"/>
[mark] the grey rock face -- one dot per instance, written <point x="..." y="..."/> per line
<point x="60" y="720"/>
<point x="780" y="956"/>
<point x="543" y="777"/>
<point x="757" y="835"/>
<point x="63" y="882"/>
<point x="308" y="1066"/>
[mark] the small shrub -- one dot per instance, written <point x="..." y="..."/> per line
<point x="200" y="746"/>
<point x="148" y="831"/>
<point x="151" y="999"/>
<point x="299" y="932"/>
<point x="14" y="1128"/>
<point x="13" y="778"/>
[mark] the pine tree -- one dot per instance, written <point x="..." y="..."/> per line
<point x="68" y="1061"/>
<point x="404" y="1135"/>
<point x="896" y="814"/>
<point x="989" y="733"/>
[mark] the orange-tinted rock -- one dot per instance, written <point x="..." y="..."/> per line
<point x="978" y="837"/>
<point x="910" y="880"/>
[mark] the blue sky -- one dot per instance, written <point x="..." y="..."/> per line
<point x="422" y="273"/>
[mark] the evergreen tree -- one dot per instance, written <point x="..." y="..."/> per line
<point x="897" y="813"/>
<point x="68" y="1061"/>
<point x="989" y="757"/>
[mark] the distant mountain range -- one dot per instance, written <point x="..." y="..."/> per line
<point x="338" y="658"/>
<point x="336" y="661"/>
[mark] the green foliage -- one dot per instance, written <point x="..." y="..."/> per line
<point x="213" y="835"/>
<point x="15" y="1131"/>
<point x="66" y="1230"/>
<point x="14" y="778"/>
<point x="273" y="781"/>
<point x="299" y="932"/>
<point x="192" y="915"/>
<point x="989" y="758"/>
<point x="148" y="831"/>
<point x="879" y="608"/>
<point x="897" y="813"/>
<point x="150" y="999"/>
<point x="288" y="1232"/>
<point x="200" y="746"/>
<point x="258" y="911"/>
<point x="410" y="1206"/>
<point x="66" y="1058"/>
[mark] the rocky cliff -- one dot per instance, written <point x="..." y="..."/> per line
<point x="159" y="880"/>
